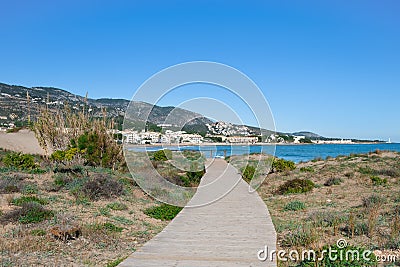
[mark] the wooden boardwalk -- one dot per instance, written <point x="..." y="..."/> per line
<point x="227" y="232"/>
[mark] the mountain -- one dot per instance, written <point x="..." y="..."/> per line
<point x="14" y="108"/>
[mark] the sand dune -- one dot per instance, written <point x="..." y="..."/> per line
<point x="23" y="141"/>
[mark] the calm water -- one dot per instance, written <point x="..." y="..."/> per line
<point x="295" y="153"/>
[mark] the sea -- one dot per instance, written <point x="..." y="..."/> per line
<point x="297" y="153"/>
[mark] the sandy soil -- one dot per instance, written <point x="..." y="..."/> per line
<point x="22" y="141"/>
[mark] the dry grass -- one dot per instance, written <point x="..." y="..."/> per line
<point x="350" y="206"/>
<point x="108" y="233"/>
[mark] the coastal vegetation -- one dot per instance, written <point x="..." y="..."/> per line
<point x="354" y="197"/>
<point x="49" y="203"/>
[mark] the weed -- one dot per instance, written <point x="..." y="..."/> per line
<point x="30" y="189"/>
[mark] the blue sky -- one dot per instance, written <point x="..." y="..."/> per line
<point x="328" y="67"/>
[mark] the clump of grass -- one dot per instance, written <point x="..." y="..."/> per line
<point x="307" y="169"/>
<point x="26" y="199"/>
<point x="163" y="212"/>
<point x="333" y="181"/>
<point x="294" y="206"/>
<point x="302" y="236"/>
<point x="296" y="186"/>
<point x="248" y="173"/>
<point x="117" y="206"/>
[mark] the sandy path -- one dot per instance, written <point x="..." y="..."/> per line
<point x="23" y="141"/>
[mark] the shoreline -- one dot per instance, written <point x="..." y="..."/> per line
<point x="246" y="144"/>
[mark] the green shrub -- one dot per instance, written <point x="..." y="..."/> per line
<point x="162" y="155"/>
<point x="20" y="161"/>
<point x="282" y="165"/>
<point x="345" y="257"/>
<point x="333" y="181"/>
<point x="33" y="212"/>
<point x="248" y="173"/>
<point x="376" y="180"/>
<point x="117" y="206"/>
<point x="26" y="199"/>
<point x="307" y="169"/>
<point x="294" y="206"/>
<point x="296" y="186"/>
<point x="163" y="212"/>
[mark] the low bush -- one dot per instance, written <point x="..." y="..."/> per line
<point x="11" y="184"/>
<point x="162" y="155"/>
<point x="376" y="180"/>
<point x="20" y="161"/>
<point x="248" y="173"/>
<point x="282" y="165"/>
<point x="294" y="206"/>
<point x="163" y="212"/>
<point x="26" y="199"/>
<point x="30" y="212"/>
<point x="296" y="186"/>
<point x="333" y="181"/>
<point x="102" y="186"/>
